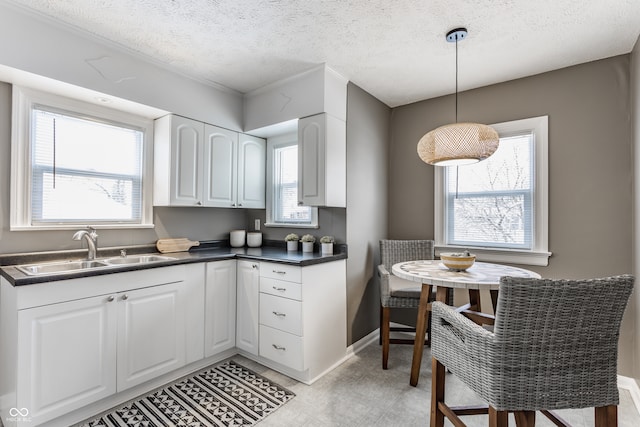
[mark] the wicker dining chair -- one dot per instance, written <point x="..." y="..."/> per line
<point x="554" y="346"/>
<point x="397" y="293"/>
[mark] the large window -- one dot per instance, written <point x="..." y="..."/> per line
<point x="282" y="186"/>
<point x="76" y="164"/>
<point x="498" y="207"/>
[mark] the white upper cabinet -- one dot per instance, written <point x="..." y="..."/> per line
<point x="322" y="154"/>
<point x="198" y="164"/>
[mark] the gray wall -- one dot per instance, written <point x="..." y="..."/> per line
<point x="634" y="325"/>
<point x="367" y="174"/>
<point x="590" y="165"/>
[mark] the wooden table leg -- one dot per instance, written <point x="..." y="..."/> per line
<point x="494" y="299"/>
<point x="474" y="299"/>
<point x="421" y="328"/>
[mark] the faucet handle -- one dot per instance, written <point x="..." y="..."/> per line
<point x="123" y="253"/>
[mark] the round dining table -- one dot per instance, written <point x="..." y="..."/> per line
<point x="481" y="275"/>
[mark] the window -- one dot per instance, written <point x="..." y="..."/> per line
<point x="77" y="164"/>
<point x="498" y="207"/>
<point x="282" y="186"/>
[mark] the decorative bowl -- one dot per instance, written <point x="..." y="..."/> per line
<point x="458" y="261"/>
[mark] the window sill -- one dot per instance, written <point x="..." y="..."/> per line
<point x="274" y="224"/>
<point x="113" y="226"/>
<point x="510" y="256"/>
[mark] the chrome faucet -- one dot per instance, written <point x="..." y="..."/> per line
<point x="92" y="241"/>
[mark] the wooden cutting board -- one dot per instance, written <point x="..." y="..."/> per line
<point x="175" y="245"/>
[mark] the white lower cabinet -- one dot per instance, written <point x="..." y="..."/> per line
<point x="67" y="356"/>
<point x="248" y="286"/>
<point x="302" y="320"/>
<point x="74" y="349"/>
<point x="220" y="307"/>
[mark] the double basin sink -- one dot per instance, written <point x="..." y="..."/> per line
<point x="54" y="267"/>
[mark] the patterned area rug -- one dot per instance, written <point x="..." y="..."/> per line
<point x="226" y="395"/>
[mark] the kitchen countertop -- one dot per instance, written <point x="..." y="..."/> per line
<point x="271" y="251"/>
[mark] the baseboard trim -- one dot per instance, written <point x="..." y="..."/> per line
<point x="363" y="343"/>
<point x="631" y="385"/>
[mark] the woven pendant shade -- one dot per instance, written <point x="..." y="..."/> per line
<point x="458" y="144"/>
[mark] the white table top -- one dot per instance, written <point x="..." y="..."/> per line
<point x="482" y="275"/>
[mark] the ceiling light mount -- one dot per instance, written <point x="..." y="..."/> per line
<point x="457" y="35"/>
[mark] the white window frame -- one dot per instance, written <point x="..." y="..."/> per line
<point x="24" y="100"/>
<point x="539" y="254"/>
<point x="274" y="143"/>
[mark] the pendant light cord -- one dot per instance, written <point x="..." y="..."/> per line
<point x="456" y="79"/>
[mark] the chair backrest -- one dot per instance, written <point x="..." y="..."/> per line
<point x="561" y="336"/>
<point x="395" y="251"/>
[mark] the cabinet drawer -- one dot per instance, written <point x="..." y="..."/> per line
<point x="290" y="273"/>
<point x="281" y="288"/>
<point x="281" y="313"/>
<point x="281" y="347"/>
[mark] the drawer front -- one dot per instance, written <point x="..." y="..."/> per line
<point x="290" y="273"/>
<point x="281" y="288"/>
<point x="281" y="347"/>
<point x="281" y="313"/>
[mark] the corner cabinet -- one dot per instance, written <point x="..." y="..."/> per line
<point x="198" y="164"/>
<point x="220" y="307"/>
<point x="322" y="161"/>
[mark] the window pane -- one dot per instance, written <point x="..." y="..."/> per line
<point x="286" y="209"/>
<point x="84" y="170"/>
<point x="490" y="203"/>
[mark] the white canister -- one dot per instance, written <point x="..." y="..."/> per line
<point x="254" y="239"/>
<point x="236" y="238"/>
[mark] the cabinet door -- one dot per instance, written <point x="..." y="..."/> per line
<point x="151" y="333"/>
<point x="251" y="172"/>
<point x="187" y="161"/>
<point x="220" y="153"/>
<point x="311" y="160"/>
<point x="66" y="356"/>
<point x="248" y="287"/>
<point x="220" y="307"/>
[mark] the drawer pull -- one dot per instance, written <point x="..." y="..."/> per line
<point x="279" y="289"/>
<point x="279" y="314"/>
<point x="277" y="347"/>
<point x="279" y="272"/>
<point x="111" y="298"/>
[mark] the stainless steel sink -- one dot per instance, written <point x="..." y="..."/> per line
<point x="137" y="259"/>
<point x="59" y="267"/>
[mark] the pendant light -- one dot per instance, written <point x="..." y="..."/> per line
<point x="458" y="143"/>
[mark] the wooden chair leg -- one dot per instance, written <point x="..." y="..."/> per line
<point x="385" y="335"/>
<point x="498" y="418"/>
<point x="607" y="416"/>
<point x="525" y="418"/>
<point x="437" y="392"/>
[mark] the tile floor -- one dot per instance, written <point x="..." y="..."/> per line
<point x="360" y="393"/>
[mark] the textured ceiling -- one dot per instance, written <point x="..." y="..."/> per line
<point x="394" y="49"/>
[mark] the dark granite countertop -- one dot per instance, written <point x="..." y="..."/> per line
<point x="271" y="251"/>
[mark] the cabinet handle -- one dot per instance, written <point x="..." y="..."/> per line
<point x="279" y="272"/>
<point x="111" y="298"/>
<point x="239" y="204"/>
<point x="199" y="203"/>
<point x="254" y="266"/>
<point x="277" y="347"/>
<point x="125" y="297"/>
<point x="279" y="314"/>
<point x="233" y="204"/>
<point x="280" y="289"/>
<point x="299" y="203"/>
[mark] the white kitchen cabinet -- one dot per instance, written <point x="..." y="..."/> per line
<point x="302" y="316"/>
<point x="151" y="333"/>
<point x="78" y="341"/>
<point x="67" y="356"/>
<point x="247" y="317"/>
<point x="198" y="164"/>
<point x="220" y="307"/>
<point x="322" y="161"/>
<point x="235" y="169"/>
